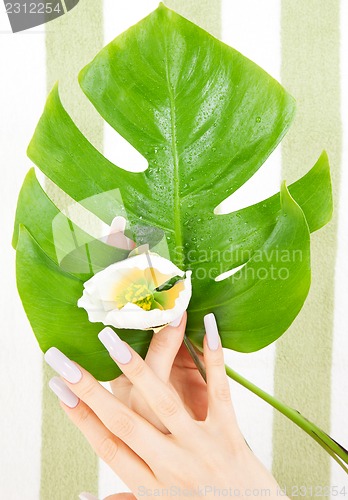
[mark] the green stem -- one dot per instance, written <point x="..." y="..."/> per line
<point x="195" y="357"/>
<point x="335" y="450"/>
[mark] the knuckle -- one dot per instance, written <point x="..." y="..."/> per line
<point x="82" y="416"/>
<point x="87" y="390"/>
<point x="107" y="449"/>
<point x="222" y="393"/>
<point x="217" y="359"/>
<point x="159" y="342"/>
<point x="167" y="406"/>
<point x="122" y="425"/>
<point x="137" y="368"/>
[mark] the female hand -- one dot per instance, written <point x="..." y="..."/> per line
<point x="207" y="457"/>
<point x="170" y="360"/>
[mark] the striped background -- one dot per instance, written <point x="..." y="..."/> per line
<point x="305" y="45"/>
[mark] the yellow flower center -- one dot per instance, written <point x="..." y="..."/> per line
<point x="139" y="287"/>
<point x="140" y="295"/>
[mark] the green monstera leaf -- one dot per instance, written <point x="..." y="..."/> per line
<point x="205" y="118"/>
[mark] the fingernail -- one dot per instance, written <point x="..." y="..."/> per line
<point x="213" y="337"/>
<point x="118" y="224"/>
<point x="63" y="392"/>
<point x="87" y="496"/>
<point x="177" y="321"/>
<point x="116" y="347"/>
<point x="62" y="365"/>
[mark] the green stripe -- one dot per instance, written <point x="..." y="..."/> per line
<point x="68" y="465"/>
<point x="310" y="71"/>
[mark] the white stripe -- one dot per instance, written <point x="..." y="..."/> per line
<point x="243" y="28"/>
<point x="109" y="483"/>
<point x="118" y="18"/>
<point x="22" y="97"/>
<point x="253" y="28"/>
<point x="339" y="374"/>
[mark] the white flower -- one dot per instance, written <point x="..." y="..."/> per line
<point x="126" y="295"/>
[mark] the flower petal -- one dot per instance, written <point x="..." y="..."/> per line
<point x="109" y="288"/>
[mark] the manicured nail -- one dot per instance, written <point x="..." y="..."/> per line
<point x="62" y="365"/>
<point x="118" y="224"/>
<point x="87" y="496"/>
<point x="213" y="337"/>
<point x="177" y="321"/>
<point x="63" y="392"/>
<point x="116" y="347"/>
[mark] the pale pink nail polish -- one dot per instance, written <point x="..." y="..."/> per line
<point x="63" y="365"/>
<point x="176" y="322"/>
<point x="116" y="347"/>
<point x="213" y="337"/>
<point x="87" y="496"/>
<point x="63" y="392"/>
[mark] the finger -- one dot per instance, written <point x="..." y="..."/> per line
<point x="108" y="447"/>
<point x="87" y="496"/>
<point x="163" y="349"/>
<point x="159" y="396"/>
<point x="219" y="395"/>
<point x="117" y="496"/>
<point x="121" y="496"/>
<point x="128" y="426"/>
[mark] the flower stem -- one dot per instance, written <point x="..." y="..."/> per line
<point x="334" y="449"/>
<point x="194" y="356"/>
